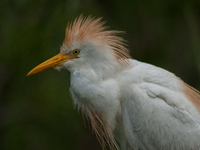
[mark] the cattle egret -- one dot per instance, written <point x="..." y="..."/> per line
<point x="139" y="105"/>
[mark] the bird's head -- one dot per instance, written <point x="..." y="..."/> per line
<point x="88" y="44"/>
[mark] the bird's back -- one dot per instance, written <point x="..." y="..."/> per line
<point x="156" y="110"/>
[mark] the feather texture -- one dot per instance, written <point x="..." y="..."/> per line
<point x="141" y="105"/>
<point x="91" y="29"/>
<point x="192" y="94"/>
<point x="146" y="104"/>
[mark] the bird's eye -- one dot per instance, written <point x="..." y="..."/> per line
<point x="76" y="51"/>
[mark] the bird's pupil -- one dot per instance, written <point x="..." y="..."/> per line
<point x="76" y="51"/>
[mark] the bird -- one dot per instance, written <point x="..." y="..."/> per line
<point x="129" y="104"/>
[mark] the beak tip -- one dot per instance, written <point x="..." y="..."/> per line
<point x="28" y="74"/>
<point x="31" y="73"/>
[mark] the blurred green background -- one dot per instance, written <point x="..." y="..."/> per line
<point x="37" y="112"/>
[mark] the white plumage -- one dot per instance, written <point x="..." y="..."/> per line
<point x="138" y="104"/>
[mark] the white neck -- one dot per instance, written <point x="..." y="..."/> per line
<point x="98" y="99"/>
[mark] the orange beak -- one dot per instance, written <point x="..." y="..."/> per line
<point x="53" y="62"/>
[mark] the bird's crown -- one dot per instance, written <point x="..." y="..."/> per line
<point x="85" y="29"/>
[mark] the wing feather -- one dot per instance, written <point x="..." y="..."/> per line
<point x="162" y="118"/>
